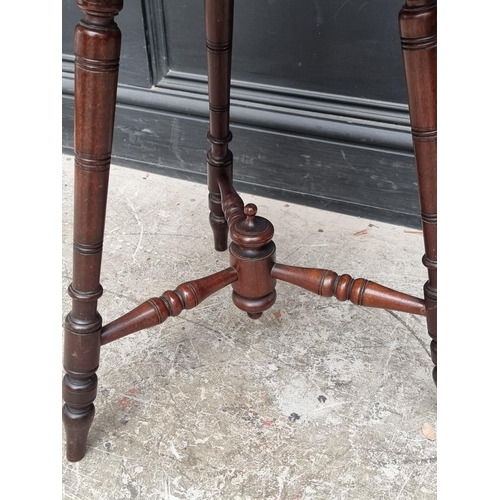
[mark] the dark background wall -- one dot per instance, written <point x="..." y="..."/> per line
<point x="319" y="113"/>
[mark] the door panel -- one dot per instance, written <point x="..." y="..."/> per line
<point x="319" y="108"/>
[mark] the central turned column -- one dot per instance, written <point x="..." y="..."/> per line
<point x="252" y="254"/>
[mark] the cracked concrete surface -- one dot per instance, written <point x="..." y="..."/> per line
<point x="316" y="400"/>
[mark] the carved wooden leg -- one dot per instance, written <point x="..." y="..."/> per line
<point x="417" y="22"/>
<point x="97" y="50"/>
<point x="219" y="34"/>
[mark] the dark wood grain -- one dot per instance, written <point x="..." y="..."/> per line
<point x="359" y="291"/>
<point x="418" y="27"/>
<point x="219" y="39"/>
<point x="97" y="51"/>
<point x="170" y="303"/>
<point x="252" y="254"/>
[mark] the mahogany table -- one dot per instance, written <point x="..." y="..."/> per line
<point x="253" y="270"/>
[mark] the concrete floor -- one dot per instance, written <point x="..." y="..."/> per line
<point x="200" y="407"/>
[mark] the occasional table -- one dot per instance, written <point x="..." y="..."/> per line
<point x="253" y="269"/>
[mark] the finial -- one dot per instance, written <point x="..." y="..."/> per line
<point x="250" y="210"/>
<point x="251" y="231"/>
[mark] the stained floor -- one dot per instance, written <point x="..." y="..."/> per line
<point x="316" y="400"/>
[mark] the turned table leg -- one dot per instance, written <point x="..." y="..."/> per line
<point x="219" y="34"/>
<point x="417" y="21"/>
<point x="97" y="50"/>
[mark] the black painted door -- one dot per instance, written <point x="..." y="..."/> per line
<point x="319" y="112"/>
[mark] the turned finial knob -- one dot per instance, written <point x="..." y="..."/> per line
<point x="252" y="231"/>
<point x="250" y="210"/>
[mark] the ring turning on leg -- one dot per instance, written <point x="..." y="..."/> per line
<point x="97" y="52"/>
<point x="417" y="23"/>
<point x="219" y="35"/>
